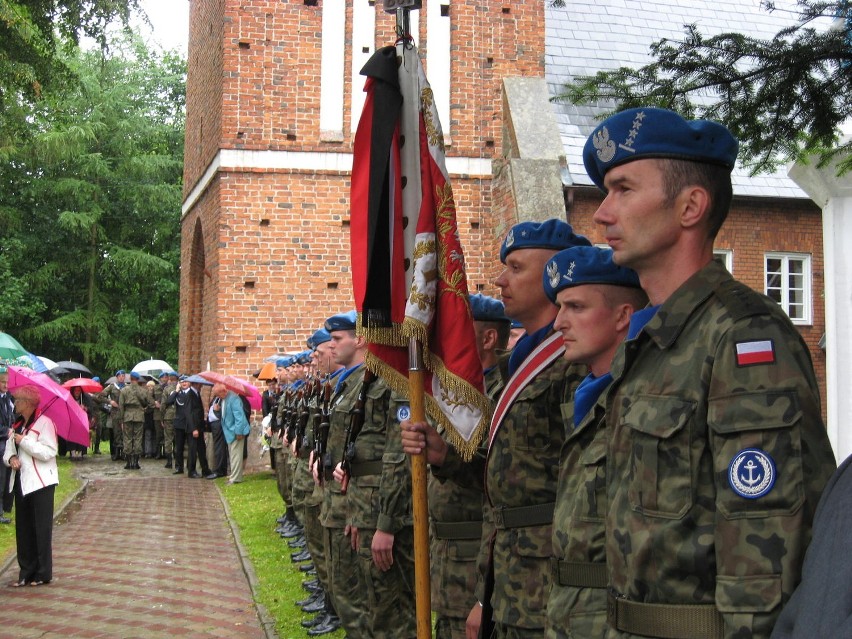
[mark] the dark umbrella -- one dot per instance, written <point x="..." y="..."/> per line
<point x="74" y="368"/>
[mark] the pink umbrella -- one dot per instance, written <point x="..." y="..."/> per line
<point x="226" y="380"/>
<point x="56" y="402"/>
<point x="251" y="393"/>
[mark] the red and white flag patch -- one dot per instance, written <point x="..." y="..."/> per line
<point x="756" y="352"/>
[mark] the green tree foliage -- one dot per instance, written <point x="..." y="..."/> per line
<point x="33" y="36"/>
<point x="92" y="204"/>
<point x="784" y="98"/>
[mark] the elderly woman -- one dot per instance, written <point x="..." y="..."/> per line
<point x="31" y="454"/>
<point x="235" y="428"/>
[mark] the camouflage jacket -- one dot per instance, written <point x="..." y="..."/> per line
<point x="133" y="401"/>
<point x="381" y="500"/>
<point x="333" y="513"/>
<point x="111" y="392"/>
<point x="167" y="410"/>
<point x="456" y="495"/>
<point x="579" y="527"/>
<point x="713" y="401"/>
<point x="522" y="469"/>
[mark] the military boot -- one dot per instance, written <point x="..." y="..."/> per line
<point x="168" y="461"/>
<point x="129" y="462"/>
<point x="136" y="465"/>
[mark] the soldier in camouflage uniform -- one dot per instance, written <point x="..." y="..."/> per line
<point x="110" y="395"/>
<point x="167" y="411"/>
<point x="277" y="448"/>
<point x="718" y="453"/>
<point x="134" y="399"/>
<point x="596" y="299"/>
<point x="349" y="600"/>
<point x="327" y="371"/>
<point x="456" y="488"/>
<point x="380" y="524"/>
<point x="527" y="432"/>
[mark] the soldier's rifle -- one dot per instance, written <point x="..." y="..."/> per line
<point x="321" y="431"/>
<point x="303" y="413"/>
<point x="353" y="428"/>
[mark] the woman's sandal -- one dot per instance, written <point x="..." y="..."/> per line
<point x="39" y="583"/>
<point x="19" y="583"/>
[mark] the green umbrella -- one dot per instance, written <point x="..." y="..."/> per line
<point x="12" y="353"/>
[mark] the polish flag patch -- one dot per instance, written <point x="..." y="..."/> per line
<point x="757" y="352"/>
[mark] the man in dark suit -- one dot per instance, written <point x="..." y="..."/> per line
<point x="7" y="418"/>
<point x="195" y="432"/>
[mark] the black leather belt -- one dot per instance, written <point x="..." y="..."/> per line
<point x="520" y="516"/>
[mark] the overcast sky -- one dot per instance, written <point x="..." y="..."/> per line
<point x="170" y="20"/>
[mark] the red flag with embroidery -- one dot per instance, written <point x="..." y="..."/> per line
<point x="408" y="267"/>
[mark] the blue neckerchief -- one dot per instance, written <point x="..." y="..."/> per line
<point x="346" y="373"/>
<point x="639" y="319"/>
<point x="336" y="373"/>
<point x="526" y="345"/>
<point x="587" y="394"/>
<point x="298" y="384"/>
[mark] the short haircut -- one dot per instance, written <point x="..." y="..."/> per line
<point x="503" y="330"/>
<point x="614" y="295"/>
<point x="716" y="180"/>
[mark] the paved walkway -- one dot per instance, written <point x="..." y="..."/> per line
<point x="140" y="555"/>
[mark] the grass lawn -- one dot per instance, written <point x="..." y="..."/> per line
<point x="68" y="484"/>
<point x="254" y="506"/>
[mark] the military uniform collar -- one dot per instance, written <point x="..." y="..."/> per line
<point x="667" y="324"/>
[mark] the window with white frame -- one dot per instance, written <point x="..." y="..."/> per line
<point x="725" y="257"/>
<point x="788" y="282"/>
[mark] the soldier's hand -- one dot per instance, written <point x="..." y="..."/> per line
<point x="315" y="471"/>
<point x="352" y="533"/>
<point x="474" y="621"/>
<point x="418" y="437"/>
<point x="382" y="548"/>
<point x="339" y="473"/>
<point x="195" y="434"/>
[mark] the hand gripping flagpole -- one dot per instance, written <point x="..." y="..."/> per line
<point x="419" y="479"/>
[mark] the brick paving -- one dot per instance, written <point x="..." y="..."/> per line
<point x="141" y="556"/>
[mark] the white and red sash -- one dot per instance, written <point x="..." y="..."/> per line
<point x="544" y="354"/>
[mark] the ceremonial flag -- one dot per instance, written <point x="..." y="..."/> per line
<point x="408" y="267"/>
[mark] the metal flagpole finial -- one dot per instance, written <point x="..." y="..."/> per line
<point x="402" y="8"/>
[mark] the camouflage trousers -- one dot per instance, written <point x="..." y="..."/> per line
<point x="344" y="585"/>
<point x="133" y="437"/>
<point x="574" y="612"/>
<point x="390" y="595"/>
<point x="309" y="516"/>
<point x="117" y="433"/>
<point x="450" y="627"/>
<point x="282" y="473"/>
<point x="168" y="436"/>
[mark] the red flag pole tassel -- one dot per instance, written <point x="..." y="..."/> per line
<point x="419" y="500"/>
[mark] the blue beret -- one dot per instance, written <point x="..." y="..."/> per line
<point x="319" y="337"/>
<point x="304" y="357"/>
<point x="173" y="374"/>
<point x="551" y="234"/>
<point x="96" y="379"/>
<point x="648" y="132"/>
<point x="162" y="375"/>
<point x="135" y="375"/>
<point x="120" y="371"/>
<point x="341" y="322"/>
<point x="516" y="324"/>
<point x="284" y="362"/>
<point x="585" y="265"/>
<point x="487" y="309"/>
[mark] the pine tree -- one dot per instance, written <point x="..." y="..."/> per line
<point x="784" y="98"/>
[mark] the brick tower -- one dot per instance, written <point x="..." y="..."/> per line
<point x="272" y="89"/>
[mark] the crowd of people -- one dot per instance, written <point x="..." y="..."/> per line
<point x="654" y="463"/>
<point x="657" y="453"/>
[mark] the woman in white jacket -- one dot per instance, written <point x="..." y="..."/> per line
<point x="31" y="454"/>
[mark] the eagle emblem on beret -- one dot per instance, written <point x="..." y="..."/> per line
<point x="605" y="146"/>
<point x="553" y="275"/>
<point x="510" y="238"/>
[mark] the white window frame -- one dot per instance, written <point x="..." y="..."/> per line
<point x="807" y="287"/>
<point x="727" y="258"/>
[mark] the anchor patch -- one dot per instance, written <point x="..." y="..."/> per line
<point x="752" y="473"/>
<point x="403" y="413"/>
